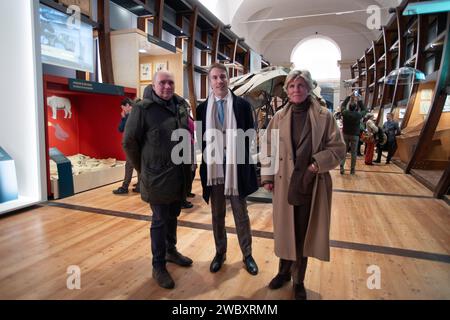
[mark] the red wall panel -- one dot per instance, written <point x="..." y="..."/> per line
<point x="99" y="121"/>
<point x="63" y="133"/>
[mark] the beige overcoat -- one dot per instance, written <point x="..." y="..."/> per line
<point x="328" y="149"/>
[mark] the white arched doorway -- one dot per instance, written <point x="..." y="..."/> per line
<point x="320" y="55"/>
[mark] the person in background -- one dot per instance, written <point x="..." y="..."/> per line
<point x="310" y="145"/>
<point x="126" y="105"/>
<point x="372" y="130"/>
<point x="391" y="129"/>
<point x="359" y="108"/>
<point x="351" y="120"/>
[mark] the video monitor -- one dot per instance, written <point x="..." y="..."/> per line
<point x="65" y="43"/>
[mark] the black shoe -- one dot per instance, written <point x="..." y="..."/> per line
<point x="299" y="292"/>
<point x="387" y="162"/>
<point x="137" y="190"/>
<point x="191" y="195"/>
<point x="163" y="278"/>
<point x="279" y="281"/>
<point x="342" y="170"/>
<point x="120" y="190"/>
<point x="352" y="171"/>
<point x="186" y="205"/>
<point x="377" y="161"/>
<point x="250" y="265"/>
<point x="217" y="262"/>
<point x="178" y="258"/>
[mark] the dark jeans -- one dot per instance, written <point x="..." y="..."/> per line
<point x="390" y="147"/>
<point x="241" y="220"/>
<point x="298" y="267"/>
<point x="163" y="231"/>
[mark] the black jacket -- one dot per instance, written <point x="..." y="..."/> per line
<point x="247" y="182"/>
<point x="147" y="144"/>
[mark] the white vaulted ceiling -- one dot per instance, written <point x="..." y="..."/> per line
<point x="275" y="40"/>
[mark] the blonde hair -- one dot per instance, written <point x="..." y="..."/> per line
<point x="296" y="74"/>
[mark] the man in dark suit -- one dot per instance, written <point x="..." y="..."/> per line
<point x="226" y="178"/>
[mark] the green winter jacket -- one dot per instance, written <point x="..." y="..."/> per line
<point x="148" y="145"/>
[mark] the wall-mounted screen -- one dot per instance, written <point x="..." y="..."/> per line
<point x="65" y="43"/>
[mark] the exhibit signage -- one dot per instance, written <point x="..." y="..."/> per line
<point x="95" y="87"/>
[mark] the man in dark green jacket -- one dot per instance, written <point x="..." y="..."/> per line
<point x="148" y="144"/>
<point x="351" y="120"/>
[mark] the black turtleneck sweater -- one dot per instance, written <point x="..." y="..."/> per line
<point x="299" y="116"/>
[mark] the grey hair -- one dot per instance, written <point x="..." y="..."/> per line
<point x="156" y="74"/>
<point x="296" y="74"/>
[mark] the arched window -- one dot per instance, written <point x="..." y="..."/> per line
<point x="319" y="55"/>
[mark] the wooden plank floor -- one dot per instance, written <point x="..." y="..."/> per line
<point x="380" y="217"/>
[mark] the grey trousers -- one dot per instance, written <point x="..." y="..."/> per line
<point x="352" y="142"/>
<point x="241" y="220"/>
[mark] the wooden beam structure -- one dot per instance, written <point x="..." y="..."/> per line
<point x="190" y="60"/>
<point x="443" y="185"/>
<point x="142" y="24"/>
<point x="104" y="41"/>
<point x="437" y="104"/>
<point x="158" y="21"/>
<point x="376" y="73"/>
<point x="215" y="44"/>
<point x="401" y="26"/>
<point x="387" y="42"/>
<point x="422" y="24"/>
<point x="247" y="62"/>
<point x="204" y="62"/>
<point x="180" y="23"/>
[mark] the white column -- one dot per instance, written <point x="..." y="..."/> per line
<point x="21" y="113"/>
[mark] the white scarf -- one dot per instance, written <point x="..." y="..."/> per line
<point x="214" y="165"/>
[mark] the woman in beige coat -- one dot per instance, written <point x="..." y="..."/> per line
<point x="309" y="146"/>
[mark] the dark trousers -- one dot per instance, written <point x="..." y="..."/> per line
<point x="163" y="231"/>
<point x="390" y="147"/>
<point x="298" y="267"/>
<point x="189" y="190"/>
<point x="241" y="220"/>
<point x="128" y="174"/>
